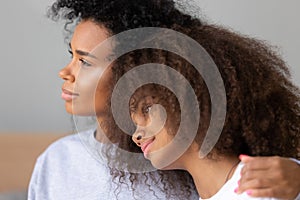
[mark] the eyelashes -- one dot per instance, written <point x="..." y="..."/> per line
<point x="82" y="61"/>
<point x="71" y="53"/>
<point x="146" y="109"/>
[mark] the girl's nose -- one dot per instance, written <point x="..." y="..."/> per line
<point x="138" y="137"/>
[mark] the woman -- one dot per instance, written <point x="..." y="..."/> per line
<point x="67" y="169"/>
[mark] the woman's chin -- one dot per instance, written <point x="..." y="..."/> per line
<point x="83" y="112"/>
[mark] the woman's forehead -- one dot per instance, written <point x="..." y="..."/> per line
<point x="89" y="35"/>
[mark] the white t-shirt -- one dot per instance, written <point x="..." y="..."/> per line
<point x="67" y="170"/>
<point x="227" y="191"/>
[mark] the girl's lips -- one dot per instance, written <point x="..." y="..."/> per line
<point x="67" y="95"/>
<point x="146" y="146"/>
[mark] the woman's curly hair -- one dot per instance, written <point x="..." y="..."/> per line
<point x="262" y="103"/>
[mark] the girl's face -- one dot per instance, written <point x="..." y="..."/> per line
<point x="86" y="81"/>
<point x="152" y="133"/>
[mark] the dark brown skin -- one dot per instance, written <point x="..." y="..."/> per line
<point x="270" y="176"/>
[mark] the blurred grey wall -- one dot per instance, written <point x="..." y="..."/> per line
<point x="275" y="21"/>
<point x="33" y="50"/>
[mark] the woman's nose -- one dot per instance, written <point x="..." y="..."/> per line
<point x="66" y="74"/>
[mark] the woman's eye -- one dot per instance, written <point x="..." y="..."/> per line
<point x="84" y="63"/>
<point x="71" y="53"/>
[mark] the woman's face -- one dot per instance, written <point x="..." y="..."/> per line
<point x="86" y="82"/>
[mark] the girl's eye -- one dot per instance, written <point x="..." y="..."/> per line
<point x="146" y="109"/>
<point x="84" y="63"/>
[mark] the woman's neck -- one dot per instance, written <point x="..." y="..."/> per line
<point x="210" y="175"/>
<point x="100" y="135"/>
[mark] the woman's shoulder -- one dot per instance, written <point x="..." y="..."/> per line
<point x="66" y="146"/>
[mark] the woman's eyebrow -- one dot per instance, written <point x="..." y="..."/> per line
<point x="83" y="53"/>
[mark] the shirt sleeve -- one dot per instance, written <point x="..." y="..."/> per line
<point x="34" y="181"/>
<point x="298" y="162"/>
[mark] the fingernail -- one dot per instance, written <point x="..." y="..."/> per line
<point x="249" y="192"/>
<point x="235" y="190"/>
<point x="242" y="156"/>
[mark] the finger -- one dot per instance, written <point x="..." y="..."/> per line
<point x="264" y="192"/>
<point x="245" y="158"/>
<point x="248" y="173"/>
<point x="268" y="176"/>
<point x="253" y="184"/>
<point x="260" y="163"/>
<point x="270" y="166"/>
<point x="272" y="192"/>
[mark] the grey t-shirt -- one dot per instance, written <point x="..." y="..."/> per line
<point x="68" y="171"/>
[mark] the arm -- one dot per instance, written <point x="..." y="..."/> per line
<point x="33" y="188"/>
<point x="270" y="177"/>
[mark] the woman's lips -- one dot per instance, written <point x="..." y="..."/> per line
<point x="146" y="146"/>
<point x="68" y="95"/>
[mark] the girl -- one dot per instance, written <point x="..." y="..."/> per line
<point x="262" y="110"/>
